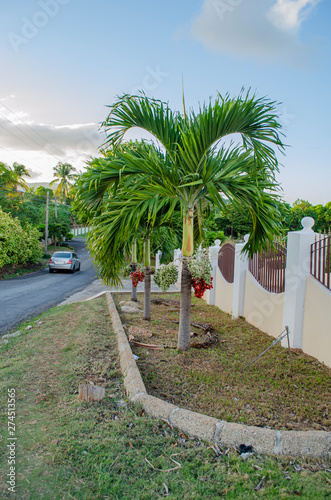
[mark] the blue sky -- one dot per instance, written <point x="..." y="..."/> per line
<point x="63" y="61"/>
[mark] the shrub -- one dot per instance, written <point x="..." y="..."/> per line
<point x="18" y="245"/>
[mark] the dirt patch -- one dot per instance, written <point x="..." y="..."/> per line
<point x="212" y="381"/>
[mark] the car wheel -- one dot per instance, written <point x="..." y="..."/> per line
<point x="72" y="270"/>
<point x="78" y="268"/>
<point x="51" y="270"/>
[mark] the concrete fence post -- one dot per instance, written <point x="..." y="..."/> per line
<point x="239" y="281"/>
<point x="157" y="259"/>
<point x="178" y="262"/>
<point x="213" y="257"/>
<point x="297" y="268"/>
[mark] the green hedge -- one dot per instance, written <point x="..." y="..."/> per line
<point x="18" y="245"/>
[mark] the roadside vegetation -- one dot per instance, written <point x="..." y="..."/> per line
<point x="23" y="218"/>
<point x="19" y="245"/>
<point x="70" y="449"/>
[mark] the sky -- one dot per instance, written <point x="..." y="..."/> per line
<point x="64" y="61"/>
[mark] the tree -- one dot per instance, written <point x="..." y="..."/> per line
<point x="12" y="177"/>
<point x="122" y="223"/>
<point x="64" y="174"/>
<point x="42" y="191"/>
<point x="232" y="220"/>
<point x="189" y="166"/>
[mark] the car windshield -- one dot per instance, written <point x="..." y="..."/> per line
<point x="61" y="255"/>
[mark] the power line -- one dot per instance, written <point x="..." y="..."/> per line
<point x="4" y="188"/>
<point x="19" y="138"/>
<point x="37" y="133"/>
<point x="12" y="133"/>
<point x="6" y="118"/>
<point x="22" y="159"/>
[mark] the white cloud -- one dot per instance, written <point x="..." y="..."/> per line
<point x="289" y="14"/>
<point x="266" y="30"/>
<point x="41" y="146"/>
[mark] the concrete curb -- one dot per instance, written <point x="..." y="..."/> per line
<point x="267" y="441"/>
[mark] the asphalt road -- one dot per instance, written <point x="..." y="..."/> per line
<point x="26" y="296"/>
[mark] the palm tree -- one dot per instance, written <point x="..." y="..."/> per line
<point x="190" y="165"/>
<point x="119" y="222"/>
<point x="12" y="177"/>
<point x="64" y="174"/>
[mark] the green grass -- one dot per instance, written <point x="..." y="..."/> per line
<point x="70" y="449"/>
<point x="51" y="249"/>
<point x="84" y="235"/>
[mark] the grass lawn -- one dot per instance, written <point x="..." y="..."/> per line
<point x="111" y="450"/>
<point x="84" y="235"/>
<point x="212" y="380"/>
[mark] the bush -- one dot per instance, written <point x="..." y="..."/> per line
<point x="18" y="245"/>
<point x="211" y="236"/>
<point x="69" y="236"/>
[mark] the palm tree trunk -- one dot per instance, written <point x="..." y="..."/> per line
<point x="133" y="268"/>
<point x="185" y="290"/>
<point x="147" y="281"/>
<point x="185" y="309"/>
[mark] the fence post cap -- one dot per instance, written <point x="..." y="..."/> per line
<point x="307" y="224"/>
<point x="246" y="237"/>
<point x="217" y="243"/>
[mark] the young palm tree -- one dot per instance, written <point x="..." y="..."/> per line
<point x="190" y="165"/>
<point x="118" y="221"/>
<point x="64" y="174"/>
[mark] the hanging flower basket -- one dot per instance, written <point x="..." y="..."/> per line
<point x="166" y="275"/>
<point x="137" y="276"/>
<point x="200" y="268"/>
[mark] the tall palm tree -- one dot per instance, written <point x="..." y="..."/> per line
<point x="190" y="165"/>
<point x="64" y="174"/>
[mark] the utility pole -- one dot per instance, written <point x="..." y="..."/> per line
<point x="46" y="224"/>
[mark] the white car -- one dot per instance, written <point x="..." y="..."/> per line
<point x="64" y="261"/>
